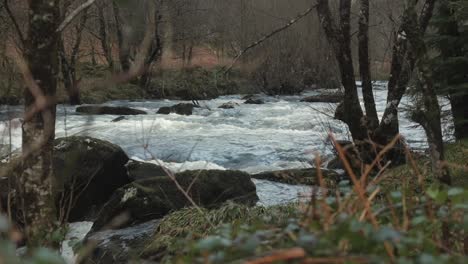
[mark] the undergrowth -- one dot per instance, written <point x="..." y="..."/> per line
<point x="416" y="220"/>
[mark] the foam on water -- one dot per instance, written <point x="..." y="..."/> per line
<point x="283" y="133"/>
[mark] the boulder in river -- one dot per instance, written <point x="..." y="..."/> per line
<point x="254" y="101"/>
<point x="297" y="176"/>
<point x="229" y="105"/>
<point x="88" y="170"/>
<point x="324" y="98"/>
<point x="138" y="170"/>
<point x="180" y="109"/>
<point x="108" y="110"/>
<point x="91" y="170"/>
<point x="153" y="198"/>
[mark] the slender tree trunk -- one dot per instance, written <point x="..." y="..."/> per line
<point x="68" y="65"/>
<point x="124" y="52"/>
<point x="364" y="66"/>
<point x="155" y="52"/>
<point x="37" y="178"/>
<point x="106" y="48"/>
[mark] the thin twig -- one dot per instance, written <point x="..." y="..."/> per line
<point x="269" y="35"/>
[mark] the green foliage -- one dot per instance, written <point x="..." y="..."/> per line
<point x="8" y="251"/>
<point x="409" y="219"/>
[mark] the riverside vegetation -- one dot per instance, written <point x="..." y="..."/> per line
<point x="381" y="203"/>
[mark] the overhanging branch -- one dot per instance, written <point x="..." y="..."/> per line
<point x="269" y="35"/>
<point x="74" y="14"/>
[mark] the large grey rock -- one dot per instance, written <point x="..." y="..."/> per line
<point x="108" y="110"/>
<point x="153" y="198"/>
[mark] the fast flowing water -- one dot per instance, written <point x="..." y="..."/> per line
<point x="282" y="133"/>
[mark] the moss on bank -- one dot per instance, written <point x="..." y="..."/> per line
<point x="179" y="230"/>
<point x="335" y="228"/>
<point x="456" y="154"/>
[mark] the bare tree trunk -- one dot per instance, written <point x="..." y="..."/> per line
<point x="429" y="116"/>
<point x="106" y="48"/>
<point x="350" y="110"/>
<point x="124" y="52"/>
<point x="68" y="65"/>
<point x="37" y="178"/>
<point x="364" y="66"/>
<point x="401" y="70"/>
<point x="155" y="52"/>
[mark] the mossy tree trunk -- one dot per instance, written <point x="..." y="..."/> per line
<point x="428" y="115"/>
<point x="37" y="177"/>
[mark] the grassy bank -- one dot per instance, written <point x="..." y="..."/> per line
<point x="401" y="219"/>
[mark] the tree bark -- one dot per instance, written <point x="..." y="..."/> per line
<point x="106" y="48"/>
<point x="68" y="65"/>
<point x="364" y="66"/>
<point x="156" y="47"/>
<point x="400" y="73"/>
<point x="349" y="110"/>
<point x="124" y="52"/>
<point x="37" y="178"/>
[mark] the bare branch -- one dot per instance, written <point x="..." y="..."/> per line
<point x="13" y="20"/>
<point x="74" y="14"/>
<point x="269" y="35"/>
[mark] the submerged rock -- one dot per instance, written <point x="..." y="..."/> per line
<point x="229" y="105"/>
<point x="324" y="98"/>
<point x="307" y="176"/>
<point x="180" y="109"/>
<point x="153" y="198"/>
<point x="108" y="110"/>
<point x="254" y="101"/>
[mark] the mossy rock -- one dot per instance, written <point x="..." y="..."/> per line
<point x="88" y="170"/>
<point x="176" y="231"/>
<point x="299" y="176"/>
<point x="153" y="198"/>
<point x="138" y="170"/>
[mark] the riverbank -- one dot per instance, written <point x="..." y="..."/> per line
<point x="98" y="85"/>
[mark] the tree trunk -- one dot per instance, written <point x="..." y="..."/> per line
<point x="106" y="48"/>
<point x="124" y="52"/>
<point x="349" y="110"/>
<point x="400" y="74"/>
<point x="364" y="66"/>
<point x="37" y="178"/>
<point x="460" y="115"/>
<point x="155" y="52"/>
